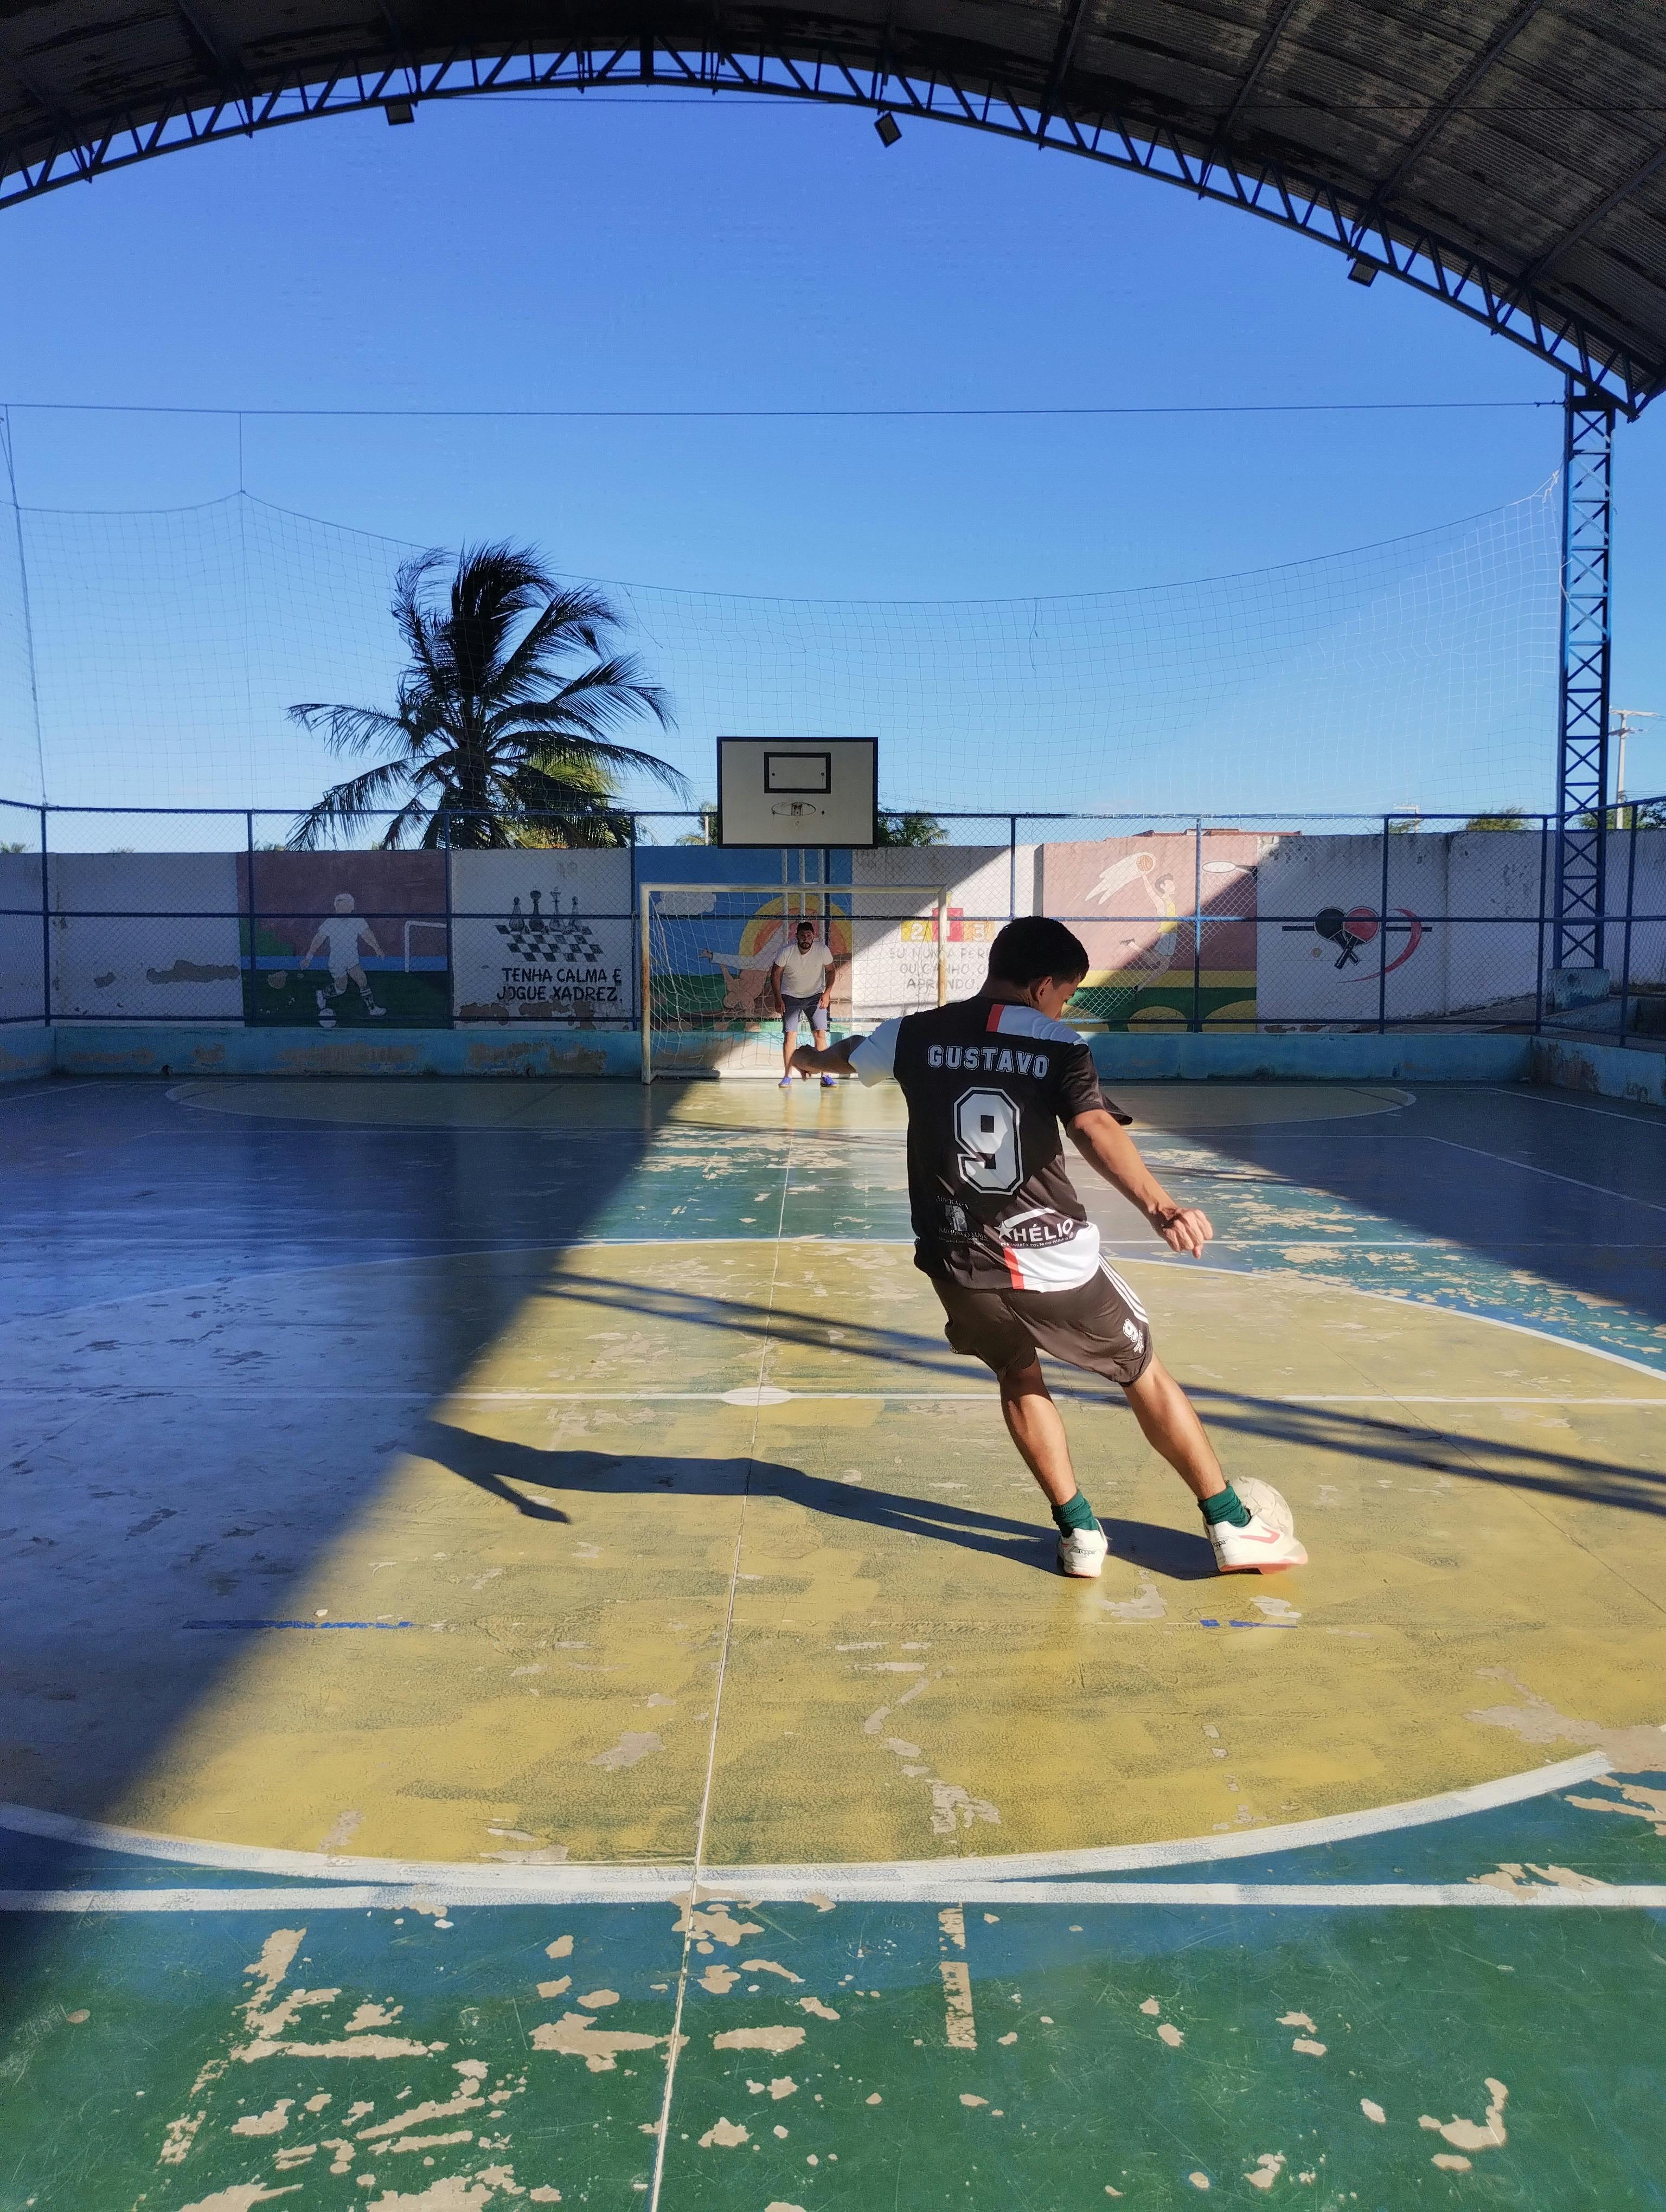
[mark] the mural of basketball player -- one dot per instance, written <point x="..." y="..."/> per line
<point x="1159" y="957"/>
<point x="340" y="935"/>
<point x="1155" y="957"/>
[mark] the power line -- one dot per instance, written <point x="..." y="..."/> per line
<point x="774" y="414"/>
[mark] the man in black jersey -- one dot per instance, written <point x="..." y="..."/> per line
<point x="1007" y="1244"/>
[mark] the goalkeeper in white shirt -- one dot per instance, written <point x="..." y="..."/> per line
<point x="801" y="981"/>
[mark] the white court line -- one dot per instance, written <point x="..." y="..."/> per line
<point x="1400" y="1398"/>
<point x="887" y="1878"/>
<point x="483" y="1397"/>
<point x="54" y="1088"/>
<point x="1502" y="1160"/>
<point x="1341" y="1242"/>
<point x="1573" y="1106"/>
<point x="685" y="1964"/>
<point x="1323" y="1897"/>
<point x="1383" y="1397"/>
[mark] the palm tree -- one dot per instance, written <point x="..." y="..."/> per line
<point x="908" y="829"/>
<point x="503" y="735"/>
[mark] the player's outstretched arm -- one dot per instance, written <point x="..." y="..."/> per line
<point x="835" y="1060"/>
<point x="1106" y="1145"/>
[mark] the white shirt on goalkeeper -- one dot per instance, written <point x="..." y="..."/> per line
<point x="803" y="975"/>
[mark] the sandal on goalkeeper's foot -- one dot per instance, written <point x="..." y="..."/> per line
<point x="1257" y="1549"/>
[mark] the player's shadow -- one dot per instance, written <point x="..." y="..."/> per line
<point x="530" y="1479"/>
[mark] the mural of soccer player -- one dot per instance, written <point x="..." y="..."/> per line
<point x="340" y="936"/>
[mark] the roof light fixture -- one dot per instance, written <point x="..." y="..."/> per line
<point x="889" y="128"/>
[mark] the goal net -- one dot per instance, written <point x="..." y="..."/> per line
<point x="707" y="950"/>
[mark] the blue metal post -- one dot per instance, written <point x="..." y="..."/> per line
<point x="46" y="926"/>
<point x="451" y="930"/>
<point x="1196" y="1022"/>
<point x="1382" y="938"/>
<point x="1581" y="762"/>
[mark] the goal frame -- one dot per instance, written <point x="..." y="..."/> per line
<point x="810" y="895"/>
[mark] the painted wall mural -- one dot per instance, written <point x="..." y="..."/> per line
<point x="1166" y="925"/>
<point x="543" y="936"/>
<point x="1264" y="929"/>
<point x="345" y="940"/>
<point x="894" y="929"/>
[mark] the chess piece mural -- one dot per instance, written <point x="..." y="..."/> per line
<point x="542" y="936"/>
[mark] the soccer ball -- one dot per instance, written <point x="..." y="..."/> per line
<point x="1266" y="1504"/>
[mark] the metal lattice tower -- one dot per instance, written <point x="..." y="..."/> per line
<point x="1582" y="768"/>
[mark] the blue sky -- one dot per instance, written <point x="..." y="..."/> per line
<point x="682" y="252"/>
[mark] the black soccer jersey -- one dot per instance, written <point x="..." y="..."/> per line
<point x="987" y="1084"/>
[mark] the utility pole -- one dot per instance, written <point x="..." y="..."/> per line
<point x="1624" y="717"/>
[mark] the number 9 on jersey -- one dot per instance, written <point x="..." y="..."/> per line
<point x="985" y="1128"/>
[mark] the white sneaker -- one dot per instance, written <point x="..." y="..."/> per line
<point x="1257" y="1549"/>
<point x="1082" y="1553"/>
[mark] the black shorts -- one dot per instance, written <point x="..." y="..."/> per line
<point x="1100" y="1325"/>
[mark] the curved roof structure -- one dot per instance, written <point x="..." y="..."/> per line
<point x="1506" y="155"/>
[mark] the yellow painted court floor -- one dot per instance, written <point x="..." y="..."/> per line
<point x="593" y="1530"/>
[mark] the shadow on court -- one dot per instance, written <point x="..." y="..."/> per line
<point x="1513" y="1178"/>
<point x="220" y="1332"/>
<point x="1347" y="1436"/>
<point x="509" y="1471"/>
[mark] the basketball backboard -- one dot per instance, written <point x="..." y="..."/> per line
<point x="797" y="791"/>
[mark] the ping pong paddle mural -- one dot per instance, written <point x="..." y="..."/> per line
<point x="1357" y="929"/>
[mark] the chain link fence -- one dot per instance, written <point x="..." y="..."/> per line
<point x="1328" y="923"/>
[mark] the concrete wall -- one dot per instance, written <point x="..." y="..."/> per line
<point x="27" y="1052"/>
<point x="22" y="953"/>
<point x="87" y="1050"/>
<point x="1492" y="872"/>
<point x="1611" y="1070"/>
<point x="1321" y="950"/>
<point x="894" y="962"/>
<point x="153" y="934"/>
<point x="1648" y="939"/>
<point x="1290" y="934"/>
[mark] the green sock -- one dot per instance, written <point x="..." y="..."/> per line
<point x="1225" y="1505"/>
<point x="1074" y="1513"/>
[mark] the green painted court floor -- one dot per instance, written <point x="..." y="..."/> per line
<point x="532" y="1675"/>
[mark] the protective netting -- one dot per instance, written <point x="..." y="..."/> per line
<point x="146" y="659"/>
